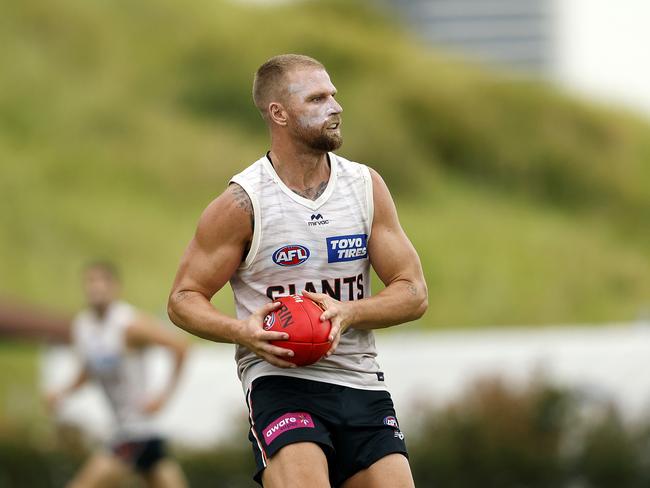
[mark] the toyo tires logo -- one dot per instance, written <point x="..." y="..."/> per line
<point x="291" y="255"/>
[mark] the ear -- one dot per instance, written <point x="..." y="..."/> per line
<point x="277" y="113"/>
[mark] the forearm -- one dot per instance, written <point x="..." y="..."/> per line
<point x="194" y="313"/>
<point x="401" y="301"/>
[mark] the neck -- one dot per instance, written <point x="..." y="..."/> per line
<point x="301" y="169"/>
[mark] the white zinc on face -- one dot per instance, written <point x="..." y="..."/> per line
<point x="316" y="113"/>
<point x="312" y="92"/>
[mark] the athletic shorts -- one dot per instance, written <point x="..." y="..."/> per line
<point x="141" y="455"/>
<point x="354" y="427"/>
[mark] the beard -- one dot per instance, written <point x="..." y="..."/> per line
<point x="319" y="138"/>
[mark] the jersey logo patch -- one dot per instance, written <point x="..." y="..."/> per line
<point x="347" y="248"/>
<point x="291" y="255"/>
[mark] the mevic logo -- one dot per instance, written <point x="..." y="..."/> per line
<point x="317" y="219"/>
<point x="291" y="255"/>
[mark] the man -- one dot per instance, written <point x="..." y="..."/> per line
<point x="304" y="219"/>
<point x="110" y="337"/>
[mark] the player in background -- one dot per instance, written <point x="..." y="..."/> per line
<point x="303" y="218"/>
<point x="110" y="337"/>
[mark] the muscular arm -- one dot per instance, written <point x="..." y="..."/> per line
<point x="398" y="266"/>
<point x="213" y="255"/>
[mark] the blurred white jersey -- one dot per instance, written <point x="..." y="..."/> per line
<point x="118" y="370"/>
<point x="299" y="244"/>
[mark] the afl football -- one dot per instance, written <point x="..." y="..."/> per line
<point x="299" y="317"/>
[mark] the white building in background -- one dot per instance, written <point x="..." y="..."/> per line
<point x="595" y="47"/>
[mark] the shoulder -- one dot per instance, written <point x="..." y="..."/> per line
<point x="253" y="175"/>
<point x="384" y="206"/>
<point x="238" y="196"/>
<point x="236" y="200"/>
<point x="377" y="180"/>
<point x="80" y="318"/>
<point x="228" y="208"/>
<point x="124" y="312"/>
<point x="229" y="217"/>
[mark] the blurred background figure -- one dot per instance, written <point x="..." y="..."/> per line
<point x="110" y="337"/>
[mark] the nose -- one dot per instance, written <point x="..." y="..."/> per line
<point x="335" y="108"/>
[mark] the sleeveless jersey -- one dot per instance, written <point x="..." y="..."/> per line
<point x="299" y="244"/>
<point x="118" y="370"/>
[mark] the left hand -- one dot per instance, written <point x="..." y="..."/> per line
<point x="154" y="405"/>
<point x="338" y="313"/>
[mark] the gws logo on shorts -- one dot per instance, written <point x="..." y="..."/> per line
<point x="391" y="422"/>
<point x="291" y="255"/>
<point x="286" y="422"/>
<point x="347" y="248"/>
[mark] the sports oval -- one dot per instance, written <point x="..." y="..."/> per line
<point x="291" y="255"/>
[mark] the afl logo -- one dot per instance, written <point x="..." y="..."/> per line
<point x="291" y="255"/>
<point x="269" y="320"/>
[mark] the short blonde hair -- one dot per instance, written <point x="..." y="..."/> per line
<point x="269" y="77"/>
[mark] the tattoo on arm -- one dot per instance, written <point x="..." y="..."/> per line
<point x="413" y="290"/>
<point x="243" y="201"/>
<point x="182" y="295"/>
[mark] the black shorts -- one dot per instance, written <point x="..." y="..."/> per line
<point x="141" y="455"/>
<point x="354" y="427"/>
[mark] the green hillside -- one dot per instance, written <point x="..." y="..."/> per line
<point x="120" y="121"/>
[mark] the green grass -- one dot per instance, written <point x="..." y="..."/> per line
<point x="120" y="121"/>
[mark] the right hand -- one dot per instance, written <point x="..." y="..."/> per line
<point x="253" y="336"/>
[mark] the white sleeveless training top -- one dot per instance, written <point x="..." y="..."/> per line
<point x="299" y="244"/>
<point x="118" y="370"/>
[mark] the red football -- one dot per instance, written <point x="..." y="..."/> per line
<point x="299" y="317"/>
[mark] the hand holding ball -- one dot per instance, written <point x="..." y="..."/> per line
<point x="299" y="317"/>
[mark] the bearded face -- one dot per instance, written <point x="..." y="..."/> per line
<point x="315" y="115"/>
<point x="320" y="136"/>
